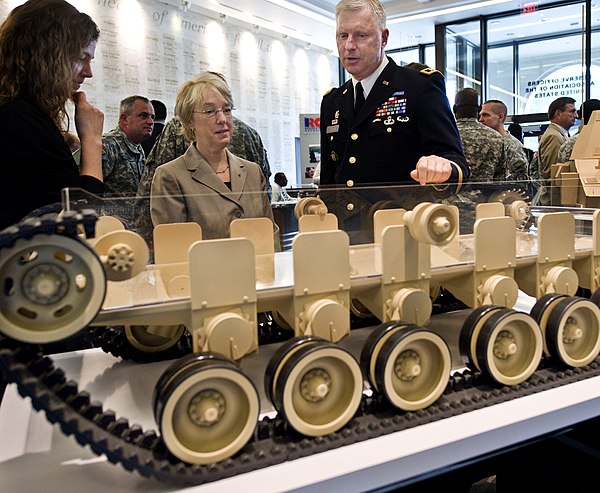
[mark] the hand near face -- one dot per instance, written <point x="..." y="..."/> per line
<point x="89" y="120"/>
<point x="432" y="169"/>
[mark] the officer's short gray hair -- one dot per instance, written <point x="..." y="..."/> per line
<point x="375" y="6"/>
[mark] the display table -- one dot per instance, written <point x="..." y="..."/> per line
<point x="34" y="455"/>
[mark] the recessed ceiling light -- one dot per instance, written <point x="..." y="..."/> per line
<point x="510" y="34"/>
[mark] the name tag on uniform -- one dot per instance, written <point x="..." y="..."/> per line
<point x="331" y="129"/>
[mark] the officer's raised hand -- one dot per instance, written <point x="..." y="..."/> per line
<point x="432" y="169"/>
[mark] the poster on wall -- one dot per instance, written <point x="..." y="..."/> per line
<point x="310" y="148"/>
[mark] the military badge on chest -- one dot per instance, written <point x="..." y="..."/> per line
<point x="393" y="110"/>
<point x="334" y="127"/>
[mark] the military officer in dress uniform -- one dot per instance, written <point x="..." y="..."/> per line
<point x="401" y="131"/>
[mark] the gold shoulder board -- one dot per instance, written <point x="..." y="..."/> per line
<point x="429" y="71"/>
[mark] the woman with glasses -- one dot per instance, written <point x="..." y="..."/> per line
<point x="208" y="184"/>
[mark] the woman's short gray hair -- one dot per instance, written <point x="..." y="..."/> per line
<point x="193" y="93"/>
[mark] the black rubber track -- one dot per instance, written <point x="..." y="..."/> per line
<point x="273" y="442"/>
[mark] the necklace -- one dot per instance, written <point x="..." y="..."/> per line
<point x="221" y="172"/>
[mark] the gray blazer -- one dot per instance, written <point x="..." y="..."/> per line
<point x="188" y="190"/>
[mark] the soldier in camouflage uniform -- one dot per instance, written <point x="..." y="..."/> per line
<point x="245" y="143"/>
<point x="493" y="114"/>
<point x="123" y="157"/>
<point x="485" y="153"/>
<point x="564" y="153"/>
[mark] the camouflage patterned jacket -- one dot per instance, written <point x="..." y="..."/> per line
<point x="245" y="143"/>
<point x="515" y="159"/>
<point x="564" y="153"/>
<point x="122" y="163"/>
<point x="483" y="148"/>
<point x="122" y="167"/>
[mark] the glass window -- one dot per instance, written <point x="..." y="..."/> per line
<point x="405" y="57"/>
<point x="430" y="56"/>
<point x="500" y="76"/>
<point x="550" y="69"/>
<point x="463" y="65"/>
<point x="532" y="58"/>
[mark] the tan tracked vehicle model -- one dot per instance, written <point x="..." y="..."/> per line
<point x="58" y="279"/>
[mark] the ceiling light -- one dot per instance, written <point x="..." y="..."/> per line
<point x="449" y="10"/>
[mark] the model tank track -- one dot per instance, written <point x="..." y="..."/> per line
<point x="112" y="340"/>
<point x="273" y="442"/>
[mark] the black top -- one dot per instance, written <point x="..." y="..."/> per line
<point x="36" y="162"/>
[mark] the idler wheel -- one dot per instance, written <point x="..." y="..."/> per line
<point x="315" y="384"/>
<point x="205" y="407"/>
<point x="125" y="254"/>
<point x="410" y="365"/>
<point x="52" y="287"/>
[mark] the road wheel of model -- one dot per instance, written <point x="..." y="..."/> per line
<point x="469" y="333"/>
<point x="410" y="365"/>
<point x="206" y="408"/>
<point x="316" y="385"/>
<point x="52" y="287"/>
<point x="595" y="297"/>
<point x="541" y="311"/>
<point x="504" y="344"/>
<point x="152" y="338"/>
<point x="573" y="331"/>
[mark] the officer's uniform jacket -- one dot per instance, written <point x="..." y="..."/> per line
<point x="405" y="116"/>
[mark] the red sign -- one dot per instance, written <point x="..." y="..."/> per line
<point x="529" y="8"/>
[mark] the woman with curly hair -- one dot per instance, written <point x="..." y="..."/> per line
<point x="46" y="49"/>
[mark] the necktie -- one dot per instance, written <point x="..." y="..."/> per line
<point x="360" y="97"/>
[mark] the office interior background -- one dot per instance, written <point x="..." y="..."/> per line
<point x="279" y="56"/>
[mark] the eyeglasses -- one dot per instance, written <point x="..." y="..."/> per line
<point x="212" y="112"/>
